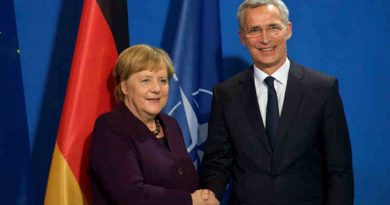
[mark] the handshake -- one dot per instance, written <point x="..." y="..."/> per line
<point x="204" y="197"/>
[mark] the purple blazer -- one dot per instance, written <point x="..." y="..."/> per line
<point x="129" y="166"/>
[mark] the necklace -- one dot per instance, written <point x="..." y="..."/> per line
<point x="158" y="126"/>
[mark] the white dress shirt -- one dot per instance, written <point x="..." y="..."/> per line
<point x="280" y="84"/>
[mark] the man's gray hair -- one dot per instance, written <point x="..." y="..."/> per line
<point x="256" y="3"/>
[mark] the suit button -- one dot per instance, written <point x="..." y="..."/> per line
<point x="180" y="171"/>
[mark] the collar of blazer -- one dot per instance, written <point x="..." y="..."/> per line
<point x="140" y="130"/>
<point x="293" y="98"/>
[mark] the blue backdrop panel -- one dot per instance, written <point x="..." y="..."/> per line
<point x="15" y="175"/>
<point x="350" y="40"/>
<point x="47" y="32"/>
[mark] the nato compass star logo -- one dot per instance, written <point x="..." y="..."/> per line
<point x="197" y="128"/>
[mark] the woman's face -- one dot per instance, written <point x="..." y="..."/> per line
<point x="146" y="93"/>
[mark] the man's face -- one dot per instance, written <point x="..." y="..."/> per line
<point x="265" y="34"/>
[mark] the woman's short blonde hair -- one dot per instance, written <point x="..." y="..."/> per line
<point x="139" y="58"/>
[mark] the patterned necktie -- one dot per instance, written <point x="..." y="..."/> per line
<point x="272" y="117"/>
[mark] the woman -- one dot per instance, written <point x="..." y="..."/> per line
<point x="137" y="153"/>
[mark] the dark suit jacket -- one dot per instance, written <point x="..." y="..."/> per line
<point x="129" y="166"/>
<point x="311" y="163"/>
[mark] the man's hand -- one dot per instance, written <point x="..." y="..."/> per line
<point x="204" y="197"/>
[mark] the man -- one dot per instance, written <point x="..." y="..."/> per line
<point x="277" y="130"/>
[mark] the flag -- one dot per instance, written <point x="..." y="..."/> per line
<point x="197" y="57"/>
<point x="15" y="157"/>
<point x="102" y="35"/>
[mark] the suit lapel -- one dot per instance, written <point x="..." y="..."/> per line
<point x="293" y="97"/>
<point x="141" y="133"/>
<point x="251" y="107"/>
<point x="170" y="135"/>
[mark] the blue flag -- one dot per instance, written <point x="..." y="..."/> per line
<point x="197" y="57"/>
<point x="15" y="162"/>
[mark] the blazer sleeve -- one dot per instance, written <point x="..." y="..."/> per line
<point x="217" y="159"/>
<point x="116" y="170"/>
<point x="337" y="148"/>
